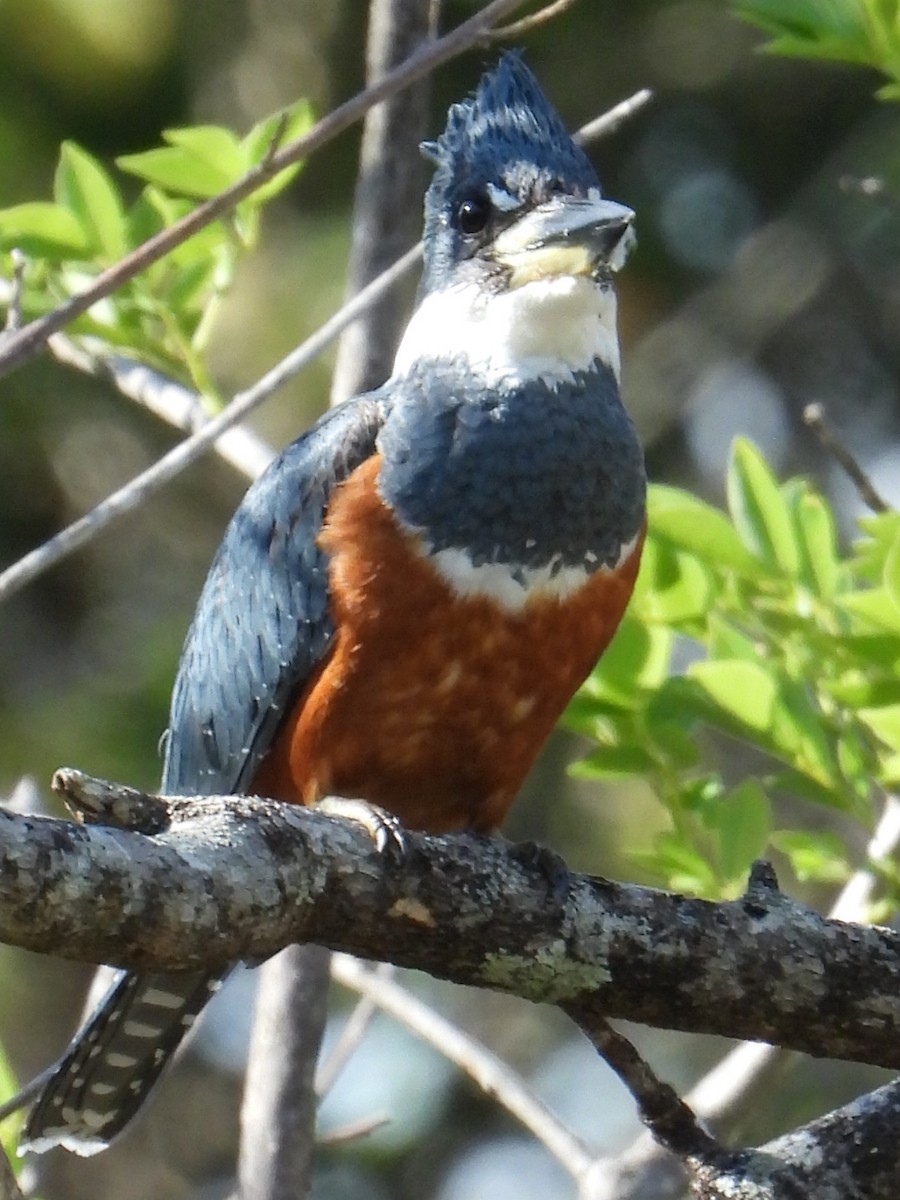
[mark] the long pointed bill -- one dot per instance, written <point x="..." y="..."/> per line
<point x="566" y="236"/>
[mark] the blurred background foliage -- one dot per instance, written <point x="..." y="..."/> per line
<point x="766" y="278"/>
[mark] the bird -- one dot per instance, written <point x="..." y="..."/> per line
<point x="410" y="594"/>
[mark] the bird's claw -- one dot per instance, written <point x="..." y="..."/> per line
<point x="385" y="830"/>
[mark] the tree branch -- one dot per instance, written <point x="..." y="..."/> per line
<point x="239" y="878"/>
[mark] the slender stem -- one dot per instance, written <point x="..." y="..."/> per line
<point x="814" y="417"/>
<point x="494" y="1077"/>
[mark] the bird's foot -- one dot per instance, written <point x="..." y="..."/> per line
<point x="385" y="830"/>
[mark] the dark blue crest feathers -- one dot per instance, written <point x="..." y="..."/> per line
<point x="507" y="132"/>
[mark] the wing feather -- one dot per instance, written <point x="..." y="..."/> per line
<point x="262" y="621"/>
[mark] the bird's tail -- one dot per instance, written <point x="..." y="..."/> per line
<point x="116" y="1058"/>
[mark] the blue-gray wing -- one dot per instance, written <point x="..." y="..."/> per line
<point x="262" y="621"/>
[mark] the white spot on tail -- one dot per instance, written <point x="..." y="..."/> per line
<point x="138" y="1029"/>
<point x="123" y="1062"/>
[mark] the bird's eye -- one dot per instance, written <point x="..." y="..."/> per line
<point x="472" y="214"/>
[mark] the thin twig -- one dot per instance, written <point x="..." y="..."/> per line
<point x="353" y="1032"/>
<point x="26" y="1094"/>
<point x="132" y="494"/>
<point x="517" y="29"/>
<point x="491" y="1075"/>
<point x="353" y="1131"/>
<point x="661" y="1108"/>
<point x="814" y="417"/>
<point x="24" y="343"/>
<point x="614" y="117"/>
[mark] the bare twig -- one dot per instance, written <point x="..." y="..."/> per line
<point x="354" y="1130"/>
<point x="661" y="1108"/>
<point x="517" y="29"/>
<point x="814" y="417"/>
<point x="613" y="118"/>
<point x="23" y="344"/>
<point x="26" y="1094"/>
<point x="491" y="1075"/>
<point x="353" y="1032"/>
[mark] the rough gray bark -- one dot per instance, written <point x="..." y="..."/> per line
<point x="213" y="880"/>
<point x="205" y="881"/>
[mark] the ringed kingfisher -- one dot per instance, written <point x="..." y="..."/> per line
<point x="410" y="594"/>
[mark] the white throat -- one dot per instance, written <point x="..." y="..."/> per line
<point x="548" y="329"/>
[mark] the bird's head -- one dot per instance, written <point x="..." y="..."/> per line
<point x="520" y="245"/>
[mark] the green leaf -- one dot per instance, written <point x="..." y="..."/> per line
<point x="873" y="605"/>
<point x="871" y="551"/>
<point x="211" y="144"/>
<point x="84" y="187"/>
<point x="818" y="857"/>
<point x="812" y="28"/>
<point x="891" y="575"/>
<point x="759" y="511"/>
<point x="744" y="819"/>
<point x="612" y="761"/>
<point x="199" y="162"/>
<point x="817" y="537"/>
<point x="884" y="722"/>
<point x="727" y="642"/>
<point x="744" y="691"/>
<point x="636" y="660"/>
<point x="43" y="229"/>
<point x="798" y="732"/>
<point x="671" y="731"/>
<point x="682" y="866"/>
<point x="687" y="523"/>
<point x="673" y="587"/>
<point x="298" y="119"/>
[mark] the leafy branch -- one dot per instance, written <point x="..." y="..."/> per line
<point x="864" y="33"/>
<point x="753" y="625"/>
